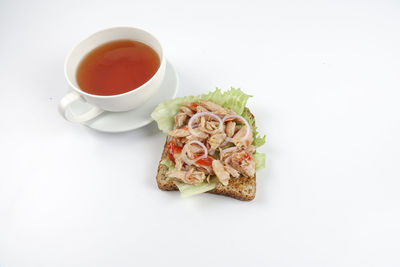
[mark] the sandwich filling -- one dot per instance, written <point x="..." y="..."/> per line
<point x="208" y="139"/>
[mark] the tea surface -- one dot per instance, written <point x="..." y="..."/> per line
<point x="117" y="67"/>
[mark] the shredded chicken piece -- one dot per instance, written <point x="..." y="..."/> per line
<point x="222" y="175"/>
<point x="179" y="132"/>
<point x="230" y="128"/>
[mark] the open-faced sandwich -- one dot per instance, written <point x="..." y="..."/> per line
<point x="211" y="145"/>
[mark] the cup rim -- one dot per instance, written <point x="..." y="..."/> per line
<point x="140" y="88"/>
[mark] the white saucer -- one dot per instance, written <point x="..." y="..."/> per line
<point x="116" y="122"/>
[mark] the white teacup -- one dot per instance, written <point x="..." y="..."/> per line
<point x="114" y="103"/>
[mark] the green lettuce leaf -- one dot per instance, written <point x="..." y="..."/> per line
<point x="258" y="140"/>
<point x="260" y="160"/>
<point x="235" y="100"/>
<point x="168" y="163"/>
<point x="165" y="112"/>
<point x="188" y="190"/>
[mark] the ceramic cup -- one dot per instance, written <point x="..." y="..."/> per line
<point x="114" y="103"/>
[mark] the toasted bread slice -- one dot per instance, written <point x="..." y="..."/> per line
<point x="242" y="188"/>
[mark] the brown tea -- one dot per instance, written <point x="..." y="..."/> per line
<point x="117" y="67"/>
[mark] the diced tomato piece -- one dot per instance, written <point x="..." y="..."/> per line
<point x="173" y="149"/>
<point x="205" y="162"/>
<point x="247" y="156"/>
<point x="170" y="147"/>
<point x="193" y="105"/>
<point x="177" y="149"/>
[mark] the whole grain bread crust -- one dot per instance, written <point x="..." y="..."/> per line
<point x="242" y="188"/>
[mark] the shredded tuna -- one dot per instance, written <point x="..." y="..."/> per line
<point x="189" y="177"/>
<point x="179" y="133"/>
<point x="234" y="173"/>
<point x="201" y="109"/>
<point x="237" y="138"/>
<point x="187" y="111"/>
<point x="200" y="136"/>
<point x="251" y="149"/>
<point x="215" y="108"/>
<point x="180" y="119"/>
<point x="178" y="161"/>
<point x="230" y="128"/>
<point x="222" y="175"/>
<point x="190" y="106"/>
<point x="243" y="163"/>
<point x="231" y="154"/>
<point x="180" y="141"/>
<point x="216" y="140"/>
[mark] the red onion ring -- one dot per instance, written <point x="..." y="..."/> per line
<point x="184" y="156"/>
<point x="210" y="114"/>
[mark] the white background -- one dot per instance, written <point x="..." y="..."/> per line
<point x="325" y="76"/>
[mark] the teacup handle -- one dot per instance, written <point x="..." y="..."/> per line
<point x="70" y="98"/>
